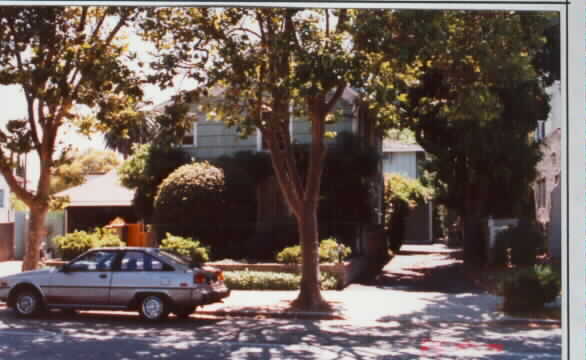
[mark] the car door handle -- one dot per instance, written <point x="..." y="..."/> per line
<point x="103" y="276"/>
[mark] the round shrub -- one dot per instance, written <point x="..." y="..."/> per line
<point x="73" y="244"/>
<point x="186" y="247"/>
<point x="190" y="201"/>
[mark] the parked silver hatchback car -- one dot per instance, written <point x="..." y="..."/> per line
<point x="149" y="280"/>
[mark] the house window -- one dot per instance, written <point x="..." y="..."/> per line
<point x="190" y="137"/>
<point x="540" y="131"/>
<point x="1" y="198"/>
<point x="541" y="193"/>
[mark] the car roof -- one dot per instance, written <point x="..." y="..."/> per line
<point x="126" y="248"/>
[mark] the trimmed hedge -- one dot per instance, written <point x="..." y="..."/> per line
<point x="261" y="280"/>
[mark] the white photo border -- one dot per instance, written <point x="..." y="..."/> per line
<point x="573" y="75"/>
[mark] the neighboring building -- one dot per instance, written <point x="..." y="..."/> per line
<point x="403" y="159"/>
<point x="546" y="188"/>
<point x="97" y="202"/>
<point x="6" y="211"/>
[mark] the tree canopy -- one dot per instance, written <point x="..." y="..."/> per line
<point x="72" y="65"/>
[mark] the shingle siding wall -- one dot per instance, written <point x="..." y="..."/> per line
<point x="214" y="139"/>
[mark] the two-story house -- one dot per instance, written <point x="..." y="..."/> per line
<point x="208" y="139"/>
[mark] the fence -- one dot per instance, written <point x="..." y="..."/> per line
<point x="6" y="241"/>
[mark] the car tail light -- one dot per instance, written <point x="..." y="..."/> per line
<point x="3" y="284"/>
<point x="220" y="276"/>
<point x="199" y="278"/>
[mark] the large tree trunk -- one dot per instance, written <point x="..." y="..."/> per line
<point x="309" y="296"/>
<point x="473" y="221"/>
<point x="36" y="234"/>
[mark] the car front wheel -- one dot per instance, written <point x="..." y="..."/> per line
<point x="154" y="308"/>
<point x="27" y="303"/>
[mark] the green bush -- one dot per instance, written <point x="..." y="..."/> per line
<point x="330" y="251"/>
<point x="186" y="247"/>
<point x="261" y="280"/>
<point x="290" y="255"/>
<point x="76" y="243"/>
<point x="400" y="195"/>
<point x="73" y="244"/>
<point x="106" y="238"/>
<point x="191" y="200"/>
<point x="530" y="288"/>
<point x="524" y="242"/>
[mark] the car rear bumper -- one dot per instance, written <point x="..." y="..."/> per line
<point x="4" y="294"/>
<point x="210" y="295"/>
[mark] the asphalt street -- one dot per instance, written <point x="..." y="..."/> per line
<point x="117" y="336"/>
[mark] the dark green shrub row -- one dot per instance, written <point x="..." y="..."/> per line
<point x="261" y="280"/>
<point x="76" y="243"/>
<point x="530" y="288"/>
<point x="186" y="247"/>
<point x="518" y="245"/>
<point x="330" y="251"/>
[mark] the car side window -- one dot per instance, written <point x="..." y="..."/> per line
<point x="94" y="261"/>
<point x="132" y="261"/>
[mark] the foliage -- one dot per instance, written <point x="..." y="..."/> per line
<point x="76" y="243"/>
<point x="76" y="166"/>
<point x="289" y="255"/>
<point x="530" y="288"/>
<point x="400" y="195"/>
<point x="70" y="64"/>
<point x="284" y="62"/>
<point x="261" y="280"/>
<point x="193" y="195"/>
<point x="161" y="127"/>
<point x="523" y="240"/>
<point x="186" y="247"/>
<point x="477" y="100"/>
<point x="17" y="204"/>
<point x="73" y="244"/>
<point x="146" y="169"/>
<point x="330" y="251"/>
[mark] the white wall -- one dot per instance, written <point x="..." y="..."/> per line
<point x="403" y="163"/>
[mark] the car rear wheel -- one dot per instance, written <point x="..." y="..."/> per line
<point x="184" y="313"/>
<point x="27" y="303"/>
<point x="154" y="308"/>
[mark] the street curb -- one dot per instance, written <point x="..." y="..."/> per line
<point x="281" y="315"/>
